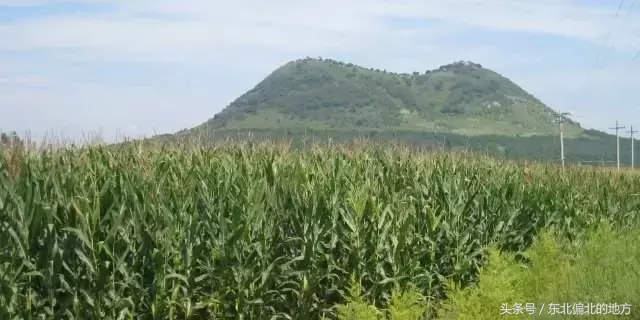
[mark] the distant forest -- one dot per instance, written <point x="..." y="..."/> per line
<point x="597" y="148"/>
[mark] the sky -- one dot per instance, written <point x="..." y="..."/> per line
<point x="135" y="68"/>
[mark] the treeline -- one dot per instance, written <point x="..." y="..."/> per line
<point x="595" y="148"/>
<point x="10" y="139"/>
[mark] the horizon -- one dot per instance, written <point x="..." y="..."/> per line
<point x="146" y="67"/>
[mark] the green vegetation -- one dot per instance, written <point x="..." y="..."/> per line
<point x="594" y="148"/>
<point x="323" y="94"/>
<point x="260" y="231"/>
<point x="460" y="105"/>
<point x="574" y="277"/>
<point x="10" y="140"/>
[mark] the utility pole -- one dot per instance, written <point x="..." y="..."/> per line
<point x="560" y="118"/>
<point x="632" y="132"/>
<point x="617" y="128"/>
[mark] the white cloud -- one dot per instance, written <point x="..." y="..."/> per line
<point x="565" y="18"/>
<point x="367" y="17"/>
<point x="29" y="80"/>
<point x="249" y="38"/>
<point x="74" y="109"/>
<point x="29" y="3"/>
<point x="292" y="26"/>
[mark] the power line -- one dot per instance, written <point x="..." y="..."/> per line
<point x="609" y="31"/>
<point x="620" y="4"/>
<point x="628" y="14"/>
<point x="631" y="7"/>
<point x="601" y="50"/>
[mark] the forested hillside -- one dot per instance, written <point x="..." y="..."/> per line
<point x="461" y="97"/>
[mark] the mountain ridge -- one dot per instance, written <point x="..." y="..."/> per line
<point x="461" y="97"/>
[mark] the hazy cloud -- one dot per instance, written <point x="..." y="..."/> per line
<point x="115" y="66"/>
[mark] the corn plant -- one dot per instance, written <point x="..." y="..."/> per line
<point x="256" y="231"/>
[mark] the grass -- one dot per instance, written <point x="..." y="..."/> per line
<point x="257" y="231"/>
<point x="603" y="270"/>
<point x="575" y="277"/>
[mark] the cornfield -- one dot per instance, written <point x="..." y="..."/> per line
<point x="261" y="232"/>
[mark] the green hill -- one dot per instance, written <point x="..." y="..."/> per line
<point x="322" y="94"/>
<point x="457" y="106"/>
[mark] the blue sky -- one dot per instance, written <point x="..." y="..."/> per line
<point x="113" y="68"/>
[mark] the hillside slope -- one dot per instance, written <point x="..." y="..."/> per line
<point x="324" y="94"/>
